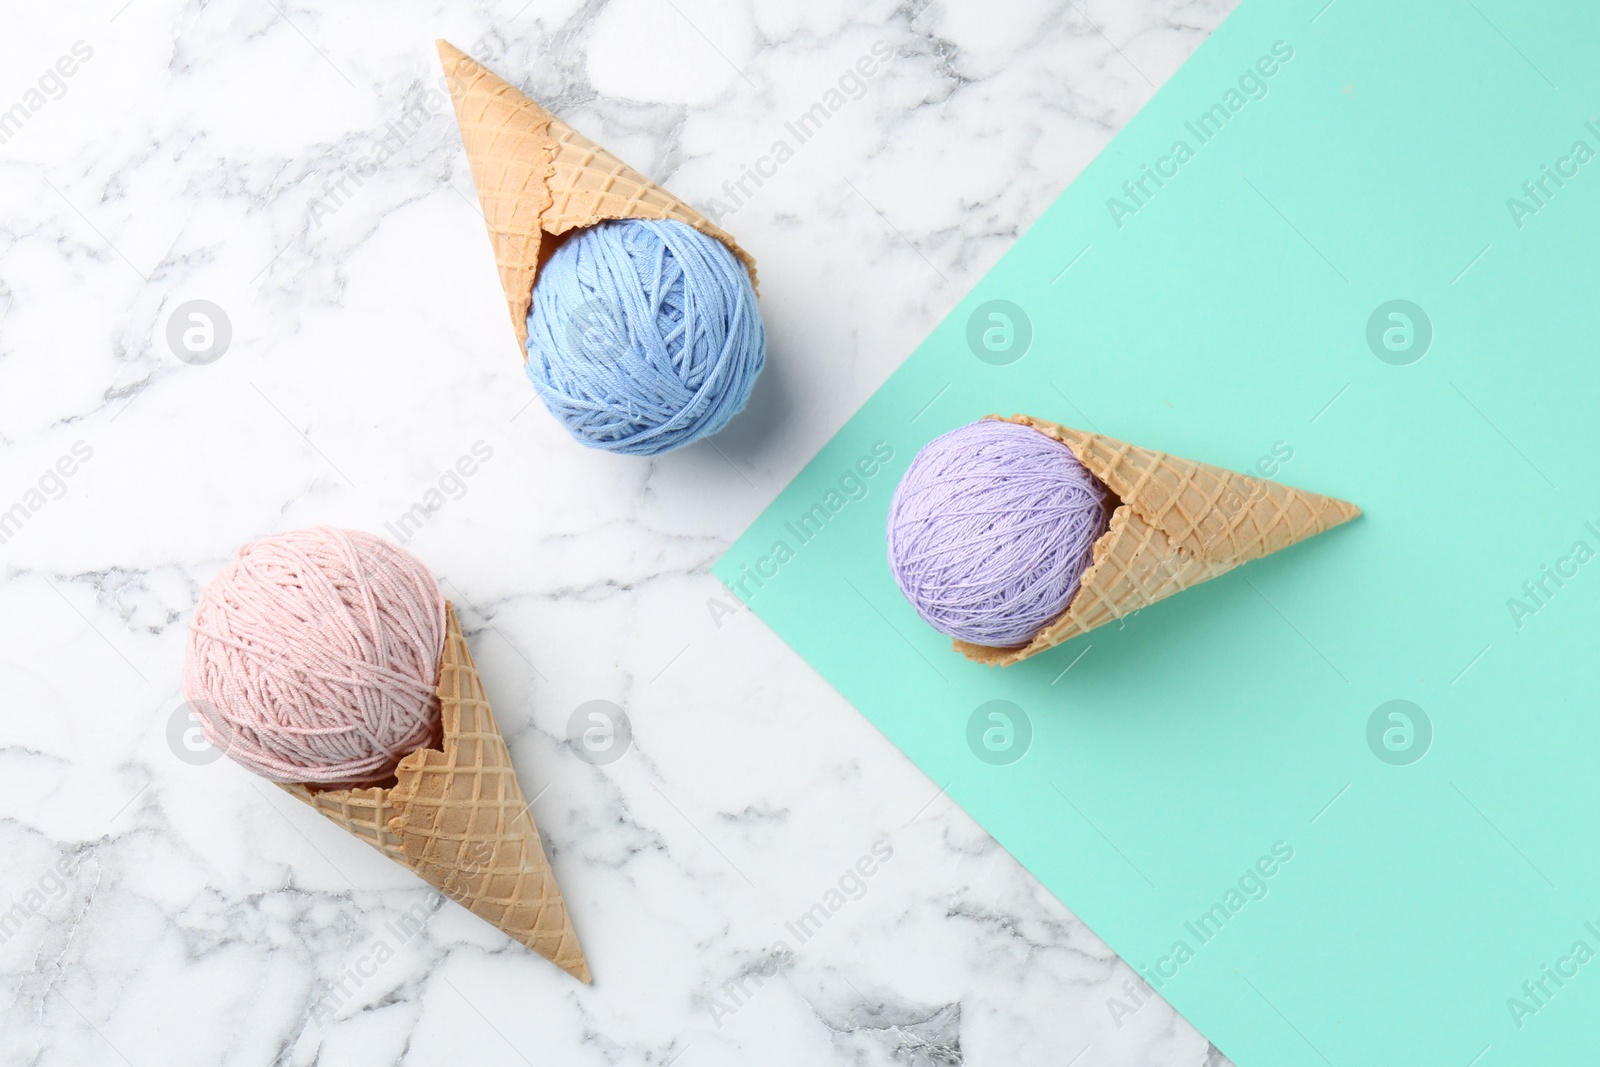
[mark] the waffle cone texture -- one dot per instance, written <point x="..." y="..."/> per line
<point x="1177" y="523"/>
<point x="538" y="178"/>
<point x="457" y="817"/>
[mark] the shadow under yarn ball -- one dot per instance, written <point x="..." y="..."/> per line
<point x="644" y="336"/>
<point x="991" y="529"/>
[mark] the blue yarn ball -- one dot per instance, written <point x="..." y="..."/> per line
<point x="644" y="336"/>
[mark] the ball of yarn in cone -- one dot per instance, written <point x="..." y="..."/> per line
<point x="991" y="529"/>
<point x="314" y="657"/>
<point x="644" y="336"/>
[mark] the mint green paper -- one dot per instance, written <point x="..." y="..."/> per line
<point x="1225" y="318"/>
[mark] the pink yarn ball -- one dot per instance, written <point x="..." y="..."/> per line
<point x="314" y="657"/>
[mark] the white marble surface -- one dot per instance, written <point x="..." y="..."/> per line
<point x="207" y="916"/>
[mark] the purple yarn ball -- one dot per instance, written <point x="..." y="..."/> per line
<point x="991" y="529"/>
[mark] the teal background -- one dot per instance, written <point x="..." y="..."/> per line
<point x="1227" y="316"/>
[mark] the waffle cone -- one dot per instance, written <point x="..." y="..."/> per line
<point x="1177" y="523"/>
<point x="537" y="178"/>
<point x="457" y="817"/>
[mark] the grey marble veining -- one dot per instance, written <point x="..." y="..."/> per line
<point x="298" y="167"/>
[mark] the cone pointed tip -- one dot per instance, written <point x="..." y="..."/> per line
<point x="1347" y="510"/>
<point x="452" y="59"/>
